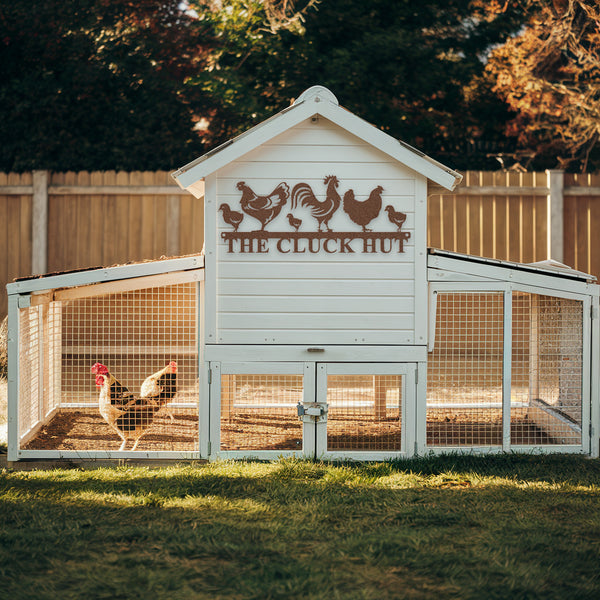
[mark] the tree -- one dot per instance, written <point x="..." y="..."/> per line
<point x="413" y="69"/>
<point x="98" y="84"/>
<point x="550" y="76"/>
<point x="149" y="84"/>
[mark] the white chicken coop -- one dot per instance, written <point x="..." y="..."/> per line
<point x="316" y="323"/>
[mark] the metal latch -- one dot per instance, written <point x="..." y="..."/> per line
<point x="312" y="413"/>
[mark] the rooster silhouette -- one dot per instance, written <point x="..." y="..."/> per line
<point x="322" y="211"/>
<point x="263" y="208"/>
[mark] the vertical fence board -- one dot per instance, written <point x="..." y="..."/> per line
<point x="83" y="222"/>
<point x="96" y="213"/>
<point x="160" y="218"/>
<point x="13" y="250"/>
<point x="433" y="221"/>
<point x="486" y="219"/>
<point x="120" y="211"/>
<point x="594" y="229"/>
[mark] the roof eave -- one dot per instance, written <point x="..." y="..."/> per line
<point x="315" y="101"/>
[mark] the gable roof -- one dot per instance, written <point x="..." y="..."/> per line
<point x="317" y="100"/>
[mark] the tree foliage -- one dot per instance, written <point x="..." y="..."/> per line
<point x="415" y="70"/>
<point x="148" y="84"/>
<point x="550" y="76"/>
<point x="98" y="84"/>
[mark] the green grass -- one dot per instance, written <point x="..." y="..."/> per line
<point x="509" y="526"/>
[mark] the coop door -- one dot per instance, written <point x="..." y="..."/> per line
<point x="322" y="410"/>
<point x="254" y="409"/>
<point x="368" y="410"/>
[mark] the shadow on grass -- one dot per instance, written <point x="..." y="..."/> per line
<point x="510" y="526"/>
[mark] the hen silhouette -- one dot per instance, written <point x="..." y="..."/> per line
<point x="263" y="208"/>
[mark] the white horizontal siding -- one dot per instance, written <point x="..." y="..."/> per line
<point x="304" y="298"/>
<point x="360" y="272"/>
<point x="300" y="287"/>
<point x="307" y="319"/>
<point x="297" y="304"/>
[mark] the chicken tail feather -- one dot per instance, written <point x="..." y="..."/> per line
<point x="303" y="195"/>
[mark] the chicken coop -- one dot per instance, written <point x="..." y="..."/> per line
<point x="316" y="323"/>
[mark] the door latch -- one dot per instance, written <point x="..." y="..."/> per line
<point x="312" y="413"/>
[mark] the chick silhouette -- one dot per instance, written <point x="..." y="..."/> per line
<point x="294" y="222"/>
<point x="395" y="217"/>
<point x="231" y="217"/>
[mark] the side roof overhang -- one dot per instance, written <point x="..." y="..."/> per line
<point x="454" y="267"/>
<point x="316" y="101"/>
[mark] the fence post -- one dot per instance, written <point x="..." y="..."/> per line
<point x="39" y="223"/>
<point x="556" y="184"/>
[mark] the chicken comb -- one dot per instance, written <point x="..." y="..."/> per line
<point x="99" y="369"/>
<point x="173" y="366"/>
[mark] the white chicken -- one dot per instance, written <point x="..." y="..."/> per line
<point x="161" y="387"/>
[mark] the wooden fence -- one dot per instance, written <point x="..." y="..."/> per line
<point x="58" y="221"/>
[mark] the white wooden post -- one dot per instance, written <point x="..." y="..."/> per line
<point x="556" y="183"/>
<point x="507" y="371"/>
<point x="39" y="223"/>
<point x="13" y="377"/>
<point x="595" y="380"/>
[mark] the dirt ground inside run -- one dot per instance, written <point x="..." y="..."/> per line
<point x="85" y="429"/>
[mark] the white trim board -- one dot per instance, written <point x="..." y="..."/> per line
<point x="94" y="276"/>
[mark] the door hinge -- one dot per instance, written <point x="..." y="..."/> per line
<point x="209" y="448"/>
<point x="417" y="375"/>
<point x="209" y="376"/>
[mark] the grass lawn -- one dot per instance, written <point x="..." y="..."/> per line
<point x="496" y="527"/>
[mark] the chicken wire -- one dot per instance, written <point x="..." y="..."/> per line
<point x="465" y="371"/>
<point x="547" y="370"/>
<point x="364" y="412"/>
<point x="134" y="333"/>
<point x="29" y="369"/>
<point x="258" y="412"/>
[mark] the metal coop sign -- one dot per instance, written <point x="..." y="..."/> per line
<point x="315" y="236"/>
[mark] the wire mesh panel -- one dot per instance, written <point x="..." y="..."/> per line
<point x="258" y="412"/>
<point x="464" y="373"/>
<point x="364" y="412"/>
<point x="547" y="370"/>
<point x="143" y="391"/>
<point x="29" y="369"/>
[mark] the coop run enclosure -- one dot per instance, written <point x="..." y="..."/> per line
<point x="134" y="320"/>
<point x="508" y="367"/>
<point x="316" y="323"/>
